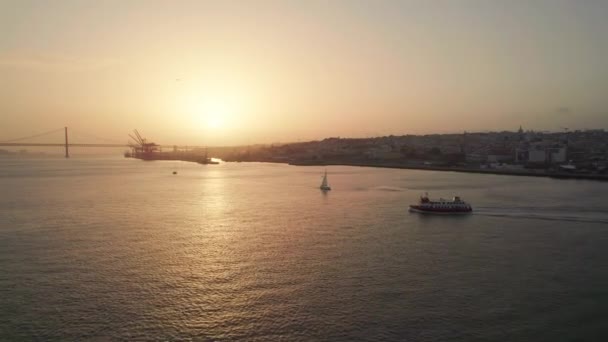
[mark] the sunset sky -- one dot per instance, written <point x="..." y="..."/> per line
<point x="243" y="72"/>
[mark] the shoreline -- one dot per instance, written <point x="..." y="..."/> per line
<point x="525" y="173"/>
<point x="517" y="173"/>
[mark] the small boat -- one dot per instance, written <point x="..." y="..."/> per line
<point x="207" y="161"/>
<point x="441" y="206"/>
<point x="324" y="186"/>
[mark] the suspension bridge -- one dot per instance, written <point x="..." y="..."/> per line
<point x="137" y="144"/>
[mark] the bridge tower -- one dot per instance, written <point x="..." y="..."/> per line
<point x="67" y="153"/>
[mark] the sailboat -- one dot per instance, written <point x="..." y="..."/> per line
<point x="324" y="186"/>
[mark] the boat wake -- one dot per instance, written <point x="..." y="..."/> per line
<point x="547" y="214"/>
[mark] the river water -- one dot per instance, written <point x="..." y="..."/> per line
<point x="119" y="249"/>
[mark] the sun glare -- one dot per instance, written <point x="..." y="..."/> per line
<point x="212" y="114"/>
<point x="216" y="114"/>
<point x="212" y="110"/>
<point x="214" y="122"/>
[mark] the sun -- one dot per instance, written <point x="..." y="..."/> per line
<point x="212" y="111"/>
<point x="214" y="122"/>
<point x="215" y="115"/>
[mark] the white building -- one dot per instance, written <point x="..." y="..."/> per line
<point x="547" y="154"/>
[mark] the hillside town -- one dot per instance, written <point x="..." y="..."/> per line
<point x="577" y="152"/>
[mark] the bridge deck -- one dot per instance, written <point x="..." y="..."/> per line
<point x="87" y="145"/>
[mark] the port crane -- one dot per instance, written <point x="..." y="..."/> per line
<point x="141" y="145"/>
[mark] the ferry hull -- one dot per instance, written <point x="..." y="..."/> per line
<point x="445" y="211"/>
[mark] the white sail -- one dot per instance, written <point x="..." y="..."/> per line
<point x="324" y="185"/>
<point x="324" y="182"/>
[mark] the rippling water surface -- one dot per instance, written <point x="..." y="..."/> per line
<point x="118" y="249"/>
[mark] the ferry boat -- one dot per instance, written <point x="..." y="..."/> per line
<point x="441" y="206"/>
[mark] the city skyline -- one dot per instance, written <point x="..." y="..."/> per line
<point x="261" y="72"/>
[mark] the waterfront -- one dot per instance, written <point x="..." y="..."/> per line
<point x="421" y="166"/>
<point x="122" y="249"/>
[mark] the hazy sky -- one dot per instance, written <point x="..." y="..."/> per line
<point x="232" y="72"/>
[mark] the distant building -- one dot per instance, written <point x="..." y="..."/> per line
<point x="537" y="156"/>
<point x="499" y="155"/>
<point x="475" y="157"/>
<point x="499" y="158"/>
<point x="521" y="155"/>
<point x="557" y="154"/>
<point x="541" y="154"/>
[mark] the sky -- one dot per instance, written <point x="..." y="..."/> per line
<point x="258" y="71"/>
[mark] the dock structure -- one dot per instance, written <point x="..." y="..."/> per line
<point x="144" y="150"/>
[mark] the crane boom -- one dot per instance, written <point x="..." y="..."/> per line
<point x="141" y="140"/>
<point x="134" y="139"/>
